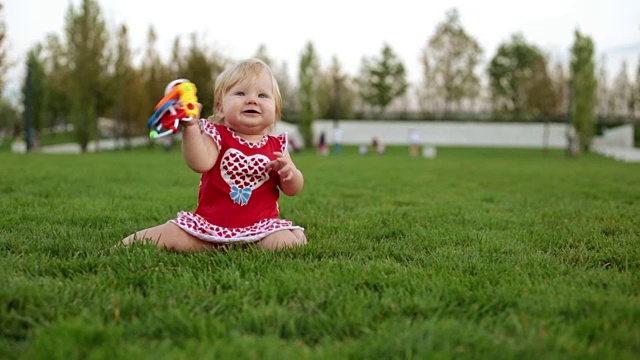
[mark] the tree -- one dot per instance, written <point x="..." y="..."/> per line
<point x="382" y="79"/>
<point x="201" y="67"/>
<point x="450" y="60"/>
<point x="154" y="73"/>
<point x="338" y="102"/>
<point x="9" y="115"/>
<point x="560" y="89"/>
<point x="518" y="76"/>
<point x="263" y="55"/>
<point x="604" y="103"/>
<point x="583" y="89"/>
<point x="4" y="61"/>
<point x="289" y="92"/>
<point x="129" y="87"/>
<point x="542" y="95"/>
<point x="34" y="92"/>
<point x="87" y="40"/>
<point x="287" y="89"/>
<point x="308" y="80"/>
<point x="59" y="80"/>
<point x="425" y="92"/>
<point x="621" y="92"/>
<point x="551" y="99"/>
<point x="636" y="96"/>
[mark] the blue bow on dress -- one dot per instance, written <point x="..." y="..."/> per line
<point x="240" y="196"/>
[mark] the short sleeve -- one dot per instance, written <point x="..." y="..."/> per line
<point x="284" y="141"/>
<point x="210" y="129"/>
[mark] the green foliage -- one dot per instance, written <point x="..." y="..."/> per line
<point x="9" y="116"/>
<point x="155" y="74"/>
<point x="287" y="89"/>
<point x="479" y="253"/>
<point x="202" y="67"/>
<point x="308" y="77"/>
<point x="520" y="83"/>
<point x="87" y="39"/>
<point x="450" y="61"/>
<point x="82" y="117"/>
<point x="339" y="97"/>
<point x="35" y="88"/>
<point x="635" y="97"/>
<point x="382" y="79"/>
<point x="263" y="55"/>
<point x="621" y="100"/>
<point x="544" y="93"/>
<point x="583" y="88"/>
<point x="129" y="89"/>
<point x="4" y="60"/>
<point x="59" y="81"/>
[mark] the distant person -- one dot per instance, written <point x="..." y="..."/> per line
<point x="33" y="142"/>
<point x="322" y="144"/>
<point x="243" y="169"/>
<point x="337" y="139"/>
<point x="377" y="145"/>
<point x="414" y="142"/>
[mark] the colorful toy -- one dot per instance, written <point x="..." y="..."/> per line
<point x="167" y="117"/>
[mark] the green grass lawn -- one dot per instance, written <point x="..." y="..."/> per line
<point x="479" y="253"/>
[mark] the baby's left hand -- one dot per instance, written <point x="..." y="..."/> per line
<point x="283" y="165"/>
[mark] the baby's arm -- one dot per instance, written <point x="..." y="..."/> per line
<point x="198" y="148"/>
<point x="291" y="179"/>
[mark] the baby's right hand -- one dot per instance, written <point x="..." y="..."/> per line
<point x="194" y="119"/>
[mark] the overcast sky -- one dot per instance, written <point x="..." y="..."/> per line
<point x="346" y="29"/>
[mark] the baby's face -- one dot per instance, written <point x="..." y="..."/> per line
<point x="249" y="106"/>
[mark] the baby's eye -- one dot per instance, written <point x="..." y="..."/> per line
<point x="240" y="93"/>
<point x="264" y="96"/>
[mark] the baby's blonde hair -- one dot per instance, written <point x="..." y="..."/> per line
<point x="245" y="69"/>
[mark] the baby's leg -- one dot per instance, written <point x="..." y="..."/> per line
<point x="169" y="235"/>
<point x="302" y="238"/>
<point x="282" y="239"/>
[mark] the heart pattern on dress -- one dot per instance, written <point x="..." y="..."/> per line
<point x="242" y="171"/>
<point x="197" y="226"/>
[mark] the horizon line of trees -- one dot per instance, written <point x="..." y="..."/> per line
<point x="89" y="73"/>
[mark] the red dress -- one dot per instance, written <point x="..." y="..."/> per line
<point x="238" y="198"/>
